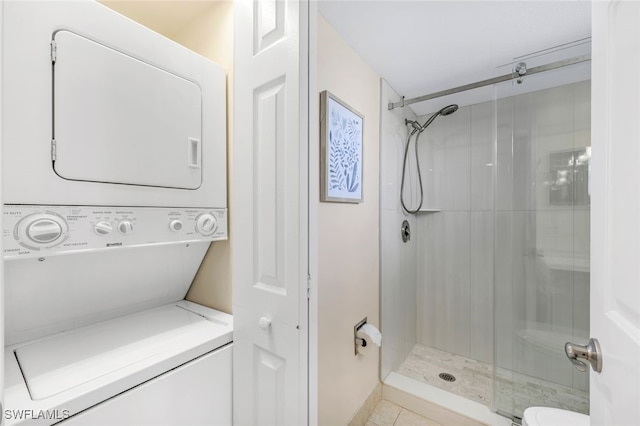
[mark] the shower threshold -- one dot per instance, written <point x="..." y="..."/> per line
<point x="474" y="381"/>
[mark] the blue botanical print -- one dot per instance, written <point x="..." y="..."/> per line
<point x="345" y="130"/>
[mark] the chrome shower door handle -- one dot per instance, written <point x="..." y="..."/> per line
<point x="591" y="353"/>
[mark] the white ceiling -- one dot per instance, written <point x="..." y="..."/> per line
<point x="421" y="47"/>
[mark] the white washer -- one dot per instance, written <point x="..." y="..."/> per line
<point x="165" y="366"/>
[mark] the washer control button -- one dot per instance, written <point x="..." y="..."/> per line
<point x="175" y="225"/>
<point x="44" y="231"/>
<point x="206" y="224"/>
<point x="125" y="227"/>
<point x="103" y="228"/>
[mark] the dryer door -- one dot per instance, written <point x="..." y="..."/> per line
<point x="117" y="119"/>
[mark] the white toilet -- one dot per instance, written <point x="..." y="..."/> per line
<point x="546" y="416"/>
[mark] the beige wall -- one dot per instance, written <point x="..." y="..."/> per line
<point x="348" y="247"/>
<point x="206" y="27"/>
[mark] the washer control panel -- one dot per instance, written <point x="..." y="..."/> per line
<point x="44" y="230"/>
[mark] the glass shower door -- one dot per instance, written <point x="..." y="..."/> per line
<point x="542" y="214"/>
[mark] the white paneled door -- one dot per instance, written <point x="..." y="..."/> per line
<point x="615" y="217"/>
<point x="269" y="213"/>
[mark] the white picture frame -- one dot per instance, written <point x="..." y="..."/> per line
<point x="341" y="156"/>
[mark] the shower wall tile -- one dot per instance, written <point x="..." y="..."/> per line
<point x="398" y="272"/>
<point x="482" y="142"/>
<point x="581" y="323"/>
<point x="481" y="287"/>
<point x="505" y="311"/>
<point x="582" y="111"/>
<point x="553" y="129"/>
<point x="581" y="238"/>
<point x="444" y="297"/>
<point x="581" y="291"/>
<point x="523" y="151"/>
<point x="504" y="154"/>
<point x="555" y="234"/>
<point x="447" y="160"/>
<point x="430" y="163"/>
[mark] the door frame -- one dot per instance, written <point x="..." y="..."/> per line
<point x="313" y="205"/>
<point x="1" y="216"/>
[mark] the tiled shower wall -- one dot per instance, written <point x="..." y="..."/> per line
<point x="455" y="245"/>
<point x="542" y="245"/>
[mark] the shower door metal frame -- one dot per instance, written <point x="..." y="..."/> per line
<point x="519" y="72"/>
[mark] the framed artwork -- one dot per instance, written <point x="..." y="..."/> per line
<point x="340" y="151"/>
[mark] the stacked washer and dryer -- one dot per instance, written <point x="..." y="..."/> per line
<point x="114" y="185"/>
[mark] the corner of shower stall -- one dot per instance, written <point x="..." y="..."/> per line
<point x="477" y="305"/>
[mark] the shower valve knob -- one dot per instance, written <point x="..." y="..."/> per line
<point x="405" y="231"/>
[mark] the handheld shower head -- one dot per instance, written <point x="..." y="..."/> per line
<point x="448" y="110"/>
<point x="417" y="128"/>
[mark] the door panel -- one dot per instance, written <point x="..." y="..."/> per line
<point x="270" y="213"/>
<point x="140" y="125"/>
<point x="615" y="226"/>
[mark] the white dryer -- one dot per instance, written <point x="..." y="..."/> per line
<point x="114" y="185"/>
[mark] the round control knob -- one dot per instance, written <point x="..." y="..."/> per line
<point x="44" y="231"/>
<point x="206" y="224"/>
<point x="103" y="228"/>
<point x="41" y="230"/>
<point x="175" y="225"/>
<point x="125" y="227"/>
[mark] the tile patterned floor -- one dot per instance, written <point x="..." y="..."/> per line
<point x="474" y="380"/>
<point x="389" y="414"/>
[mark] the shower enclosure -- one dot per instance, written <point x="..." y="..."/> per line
<point x="495" y="276"/>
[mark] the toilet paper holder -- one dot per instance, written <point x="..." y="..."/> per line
<point x="358" y="341"/>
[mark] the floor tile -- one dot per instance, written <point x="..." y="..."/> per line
<point x="408" y="418"/>
<point x="385" y="413"/>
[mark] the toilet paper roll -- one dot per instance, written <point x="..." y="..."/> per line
<point x="372" y="332"/>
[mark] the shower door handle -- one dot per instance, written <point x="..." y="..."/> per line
<point x="591" y="353"/>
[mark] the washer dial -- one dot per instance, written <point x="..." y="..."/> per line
<point x="125" y="227"/>
<point x="103" y="228"/>
<point x="206" y="224"/>
<point x="41" y="230"/>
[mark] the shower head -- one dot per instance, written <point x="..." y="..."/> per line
<point x="448" y="110"/>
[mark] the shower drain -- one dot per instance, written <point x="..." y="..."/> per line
<point x="447" y="377"/>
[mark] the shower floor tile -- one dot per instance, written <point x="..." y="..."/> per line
<point x="474" y="379"/>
